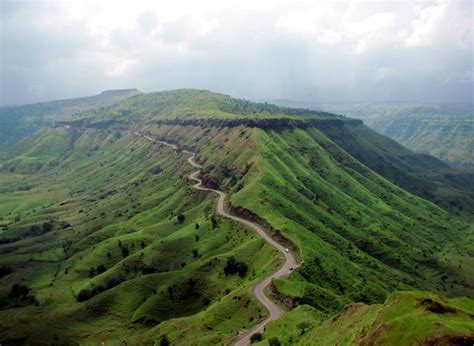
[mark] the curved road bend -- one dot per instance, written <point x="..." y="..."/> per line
<point x="259" y="289"/>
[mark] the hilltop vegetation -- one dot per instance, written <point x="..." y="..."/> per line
<point x="107" y="240"/>
<point x="17" y="122"/>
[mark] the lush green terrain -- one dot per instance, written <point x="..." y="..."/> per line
<point x="444" y="131"/>
<point x="17" y="122"/>
<point x="406" y="318"/>
<point x="105" y="239"/>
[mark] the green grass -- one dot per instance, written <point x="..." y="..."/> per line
<point x="402" y="320"/>
<point x="358" y="235"/>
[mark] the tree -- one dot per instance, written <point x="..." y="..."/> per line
<point x="100" y="269"/>
<point x="125" y="251"/>
<point x="164" y="341"/>
<point x="47" y="227"/>
<point x="195" y="253"/>
<point x="233" y="267"/>
<point x="19" y="290"/>
<point x="35" y="230"/>
<point x="196" y="226"/>
<point x="273" y="341"/>
<point x="256" y="338"/>
<point x="214" y="221"/>
<point x="4" y="271"/>
<point x="181" y="218"/>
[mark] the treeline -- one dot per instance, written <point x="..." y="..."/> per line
<point x="276" y="124"/>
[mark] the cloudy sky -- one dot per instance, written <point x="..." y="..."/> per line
<point x="320" y="51"/>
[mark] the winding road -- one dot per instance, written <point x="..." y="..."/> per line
<point x="258" y="290"/>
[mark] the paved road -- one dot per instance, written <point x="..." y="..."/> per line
<point x="259" y="289"/>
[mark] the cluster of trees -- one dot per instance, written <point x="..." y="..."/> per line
<point x="124" y="249"/>
<point x="233" y="267"/>
<point x="97" y="270"/>
<point x="88" y="293"/>
<point x="38" y="230"/>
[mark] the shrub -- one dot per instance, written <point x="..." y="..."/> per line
<point x="214" y="221"/>
<point x="233" y="267"/>
<point x="84" y="295"/>
<point x="125" y="251"/>
<point x="164" y="341"/>
<point x="47" y="227"/>
<point x="181" y="218"/>
<point x="273" y="341"/>
<point x="4" y="271"/>
<point x="19" y="290"/>
<point x="35" y="230"/>
<point x="100" y="269"/>
<point x="114" y="281"/>
<point x="256" y="338"/>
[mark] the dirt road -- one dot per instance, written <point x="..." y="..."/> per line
<point x="259" y="289"/>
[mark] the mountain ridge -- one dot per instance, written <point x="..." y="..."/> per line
<point x="360" y="236"/>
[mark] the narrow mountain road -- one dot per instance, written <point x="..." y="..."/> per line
<point x="259" y="289"/>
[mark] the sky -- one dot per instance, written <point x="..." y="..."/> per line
<point x="313" y="51"/>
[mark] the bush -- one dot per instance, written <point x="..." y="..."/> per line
<point x="114" y="281"/>
<point x="233" y="267"/>
<point x="181" y="218"/>
<point x="125" y="251"/>
<point x="19" y="290"/>
<point x="4" y="271"/>
<point x="164" y="341"/>
<point x="273" y="341"/>
<point x="256" y="338"/>
<point x="35" y="230"/>
<point x="84" y="295"/>
<point x="47" y="227"/>
<point x="100" y="269"/>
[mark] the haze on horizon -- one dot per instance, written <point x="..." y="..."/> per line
<point x="328" y="51"/>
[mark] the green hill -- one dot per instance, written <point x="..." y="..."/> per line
<point x="444" y="131"/>
<point x="17" y="122"/>
<point x="406" y="318"/>
<point x="104" y="239"/>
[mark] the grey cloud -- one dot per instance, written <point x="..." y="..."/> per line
<point x="245" y="56"/>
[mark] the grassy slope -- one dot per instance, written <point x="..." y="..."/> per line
<point x="359" y="235"/>
<point x="17" y="122"/>
<point x="105" y="190"/>
<point x="406" y="318"/>
<point x="444" y="131"/>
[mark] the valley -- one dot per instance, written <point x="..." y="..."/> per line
<point x="105" y="238"/>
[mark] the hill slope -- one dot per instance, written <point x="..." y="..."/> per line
<point x="444" y="131"/>
<point x="114" y="217"/>
<point x="17" y="122"/>
<point x="406" y="318"/>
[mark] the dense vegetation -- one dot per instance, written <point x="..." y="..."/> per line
<point x="108" y="241"/>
